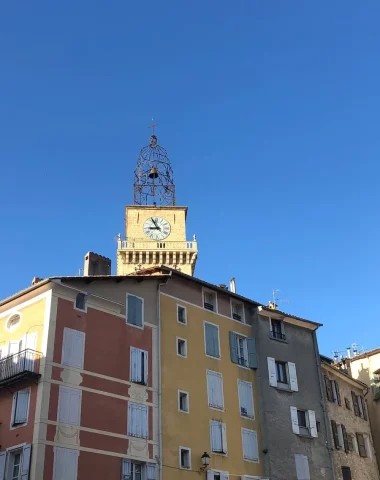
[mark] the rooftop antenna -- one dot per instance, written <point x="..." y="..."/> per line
<point x="81" y="272"/>
<point x="275" y="300"/>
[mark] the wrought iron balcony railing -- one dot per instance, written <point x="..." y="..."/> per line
<point x="19" y="366"/>
<point x="279" y="335"/>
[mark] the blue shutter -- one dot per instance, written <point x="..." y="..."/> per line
<point x="252" y="355"/>
<point x="3" y="457"/>
<point x="233" y="347"/>
<point x="151" y="471"/>
<point x="125" y="469"/>
<point x="134" y="312"/>
<point x="212" y="340"/>
<point x="25" y="462"/>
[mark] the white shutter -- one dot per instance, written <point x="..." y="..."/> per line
<point x="312" y="424"/>
<point x="293" y="376"/>
<point x="3" y="457"/>
<point x="215" y="389"/>
<point x="224" y="437"/>
<point x="65" y="464"/>
<point x="302" y="467"/>
<point x="151" y="471"/>
<point x="250" y="446"/>
<point x="246" y="398"/>
<point x="210" y="475"/>
<point x="145" y="379"/>
<point x="31" y="342"/>
<point x="272" y="371"/>
<point x="294" y="417"/>
<point x="73" y="347"/>
<point x="137" y="420"/>
<point x="21" y="406"/>
<point x="134" y="364"/>
<point x="26" y="451"/>
<point x="224" y="476"/>
<point x="216" y="436"/>
<point x="125" y="469"/>
<point x="69" y="405"/>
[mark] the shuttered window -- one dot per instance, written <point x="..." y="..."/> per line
<point x="20" y="407"/>
<point x="151" y="471"/>
<point x="215" y="390"/>
<point x="81" y="301"/>
<point x="361" y="445"/>
<point x="250" y="447"/>
<point x="135" y="310"/>
<point x="243" y="350"/>
<point x="137" y="420"/>
<point x="282" y="375"/>
<point x="345" y="439"/>
<point x="334" y="429"/>
<point x="218" y="435"/>
<point x="329" y="392"/>
<point x="355" y="404"/>
<point x="69" y="405"/>
<point x="139" y="366"/>
<point x="212" y="340"/>
<point x="73" y="348"/>
<point x="302" y="467"/>
<point x="245" y="399"/>
<point x="65" y="464"/>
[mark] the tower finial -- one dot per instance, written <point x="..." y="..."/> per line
<point x="153" y="125"/>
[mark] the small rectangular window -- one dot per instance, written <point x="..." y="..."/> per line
<point x="277" y="329"/>
<point x="81" y="302"/>
<point x="183" y="401"/>
<point x="185" y="458"/>
<point x="212" y="340"/>
<point x="346" y="473"/>
<point x="134" y="310"/>
<point x="181" y="314"/>
<point x="237" y="311"/>
<point x="139" y="366"/>
<point x="209" y="300"/>
<point x="181" y="347"/>
<point x="302" y="418"/>
<point x="20" y="408"/>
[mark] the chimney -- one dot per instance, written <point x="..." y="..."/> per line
<point x="233" y="285"/>
<point x="348" y="352"/>
<point x="355" y="352"/>
<point x="95" y="264"/>
<point x="222" y="285"/>
<point x="36" y="280"/>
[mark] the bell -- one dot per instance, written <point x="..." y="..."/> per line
<point x="153" y="173"/>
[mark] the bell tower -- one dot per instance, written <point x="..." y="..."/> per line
<point x="155" y="227"/>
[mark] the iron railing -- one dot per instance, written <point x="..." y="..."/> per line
<point x="236" y="316"/>
<point x="279" y="335"/>
<point x="20" y="365"/>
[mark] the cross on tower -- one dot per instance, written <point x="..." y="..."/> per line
<point x="152" y="126"/>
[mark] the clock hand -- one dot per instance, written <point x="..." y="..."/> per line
<point x="155" y="223"/>
<point x="154" y="228"/>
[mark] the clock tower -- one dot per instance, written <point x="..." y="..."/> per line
<point x="155" y="227"/>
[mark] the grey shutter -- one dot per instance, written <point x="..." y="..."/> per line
<point x="26" y="451"/>
<point x="361" y="445"/>
<point x="329" y="392"/>
<point x="134" y="311"/>
<point x="335" y="434"/>
<point x="22" y="406"/>
<point x="252" y="354"/>
<point x="355" y="404"/>
<point x="151" y="471"/>
<point x="345" y="439"/>
<point x="233" y="347"/>
<point x="302" y="467"/>
<point x="361" y="399"/>
<point x="3" y="457"/>
<point x="212" y="340"/>
<point x="125" y="469"/>
<point x="337" y="393"/>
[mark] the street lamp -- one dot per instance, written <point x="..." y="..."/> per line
<point x="205" y="462"/>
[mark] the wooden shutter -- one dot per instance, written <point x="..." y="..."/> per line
<point x="145" y="372"/>
<point x="312" y="423"/>
<point x="294" y="418"/>
<point x="134" y="368"/>
<point x="246" y="398"/>
<point x="125" y="469"/>
<point x="302" y="467"/>
<point x="224" y="438"/>
<point x="334" y="429"/>
<point x="339" y="400"/>
<point x="134" y="310"/>
<point x="252" y="354"/>
<point x="21" y="406"/>
<point x="151" y="471"/>
<point x="215" y="389"/>
<point x="212" y="340"/>
<point x="216" y="436"/>
<point x="137" y="420"/>
<point x="329" y="392"/>
<point x="361" y="445"/>
<point x="345" y="439"/>
<point x="65" y="464"/>
<point x="250" y="447"/>
<point x="272" y="371"/>
<point x="73" y="348"/>
<point x="69" y="405"/>
<point x="210" y="475"/>
<point x="355" y="404"/>
<point x="3" y="457"/>
<point x="363" y="409"/>
<point x="26" y="451"/>
<point x="224" y="476"/>
<point x="293" y="377"/>
<point x="234" y="347"/>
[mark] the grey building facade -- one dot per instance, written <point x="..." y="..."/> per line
<point x="296" y="443"/>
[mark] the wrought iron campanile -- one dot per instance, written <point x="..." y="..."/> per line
<point x="153" y="183"/>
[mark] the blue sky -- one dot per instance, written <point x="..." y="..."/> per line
<point x="269" y="111"/>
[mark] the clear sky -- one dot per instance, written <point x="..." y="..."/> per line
<point x="269" y="111"/>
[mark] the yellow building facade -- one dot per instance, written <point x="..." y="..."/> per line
<point x="188" y="419"/>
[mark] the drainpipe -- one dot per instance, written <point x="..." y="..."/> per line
<point x="159" y="372"/>
<point x="325" y="419"/>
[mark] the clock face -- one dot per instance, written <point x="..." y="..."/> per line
<point x="156" y="228"/>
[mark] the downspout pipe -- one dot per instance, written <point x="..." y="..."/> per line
<point x="323" y="403"/>
<point x="160" y="372"/>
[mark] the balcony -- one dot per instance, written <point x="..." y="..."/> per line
<point x="19" y="366"/>
<point x="146" y="246"/>
<point x="278" y="335"/>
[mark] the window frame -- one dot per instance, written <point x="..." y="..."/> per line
<point x="142" y="311"/>
<point x="187" y="400"/>
<point x="84" y="310"/>
<point x="233" y="302"/>
<point x="239" y="380"/>
<point x="286" y="369"/>
<point x="177" y="343"/>
<point x="129" y="422"/>
<point x="13" y="327"/>
<point x="83" y="334"/>
<point x="358" y="434"/>
<point x="215" y="294"/>
<point x="145" y="371"/>
<point x="219" y="409"/>
<point x="188" y="450"/>
<point x="223" y="427"/>
<point x="13" y="426"/>
<point x="185" y="309"/>
<point x="282" y="333"/>
<point x="205" y="342"/>
<point x="243" y="429"/>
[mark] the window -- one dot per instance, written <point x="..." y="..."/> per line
<point x="250" y="447"/>
<point x="139" y="366"/>
<point x="185" y="458"/>
<point x="181" y="314"/>
<point x="351" y="443"/>
<point x="282" y="374"/>
<point x="135" y="310"/>
<point x="69" y="405"/>
<point x="212" y="340"/>
<point x="215" y="390"/>
<point x="347" y="403"/>
<point x="65" y="463"/>
<point x="135" y="470"/>
<point x="20" y="407"/>
<point x="18" y="463"/>
<point x="358" y="403"/>
<point x="277" y="329"/>
<point x="346" y="473"/>
<point x="137" y="420"/>
<point x="340" y="436"/>
<point x="332" y="391"/>
<point x="13" y="321"/>
<point x="209" y="300"/>
<point x="237" y="310"/>
<point x="218" y="435"/>
<point x="368" y="448"/>
<point x="302" y="467"/>
<point x="303" y="422"/>
<point x="361" y="445"/>
<point x="243" y="350"/>
<point x="218" y="475"/>
<point x="73" y="348"/>
<point x="245" y="399"/>
<point x="81" y="302"/>
<point x="183" y="401"/>
<point x="181" y="347"/>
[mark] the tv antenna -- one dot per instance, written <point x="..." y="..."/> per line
<point x="275" y="300"/>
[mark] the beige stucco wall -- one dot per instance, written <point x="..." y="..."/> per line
<point x="361" y="468"/>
